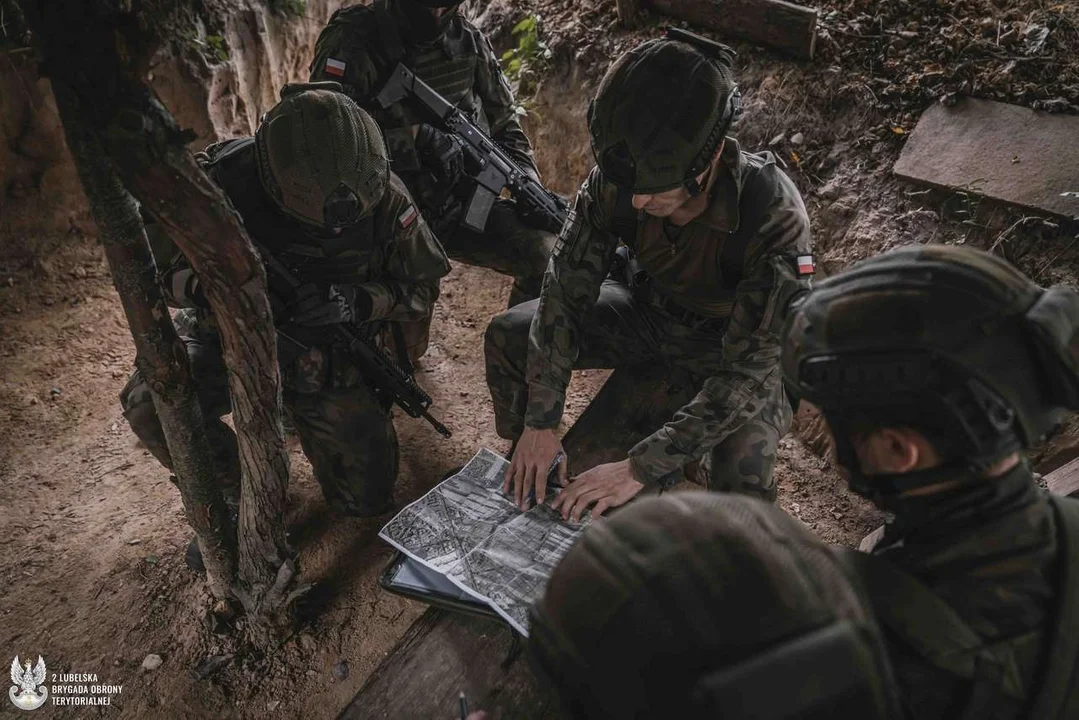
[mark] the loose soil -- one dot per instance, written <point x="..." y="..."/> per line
<point x="92" y="564"/>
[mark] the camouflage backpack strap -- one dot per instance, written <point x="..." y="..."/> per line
<point x="214" y="153"/>
<point x="1057" y="696"/>
<point x="390" y="39"/>
<point x="758" y="191"/>
<point x="933" y="629"/>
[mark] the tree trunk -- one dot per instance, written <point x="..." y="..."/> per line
<point x="96" y="54"/>
<point x="160" y="355"/>
<point x="773" y="23"/>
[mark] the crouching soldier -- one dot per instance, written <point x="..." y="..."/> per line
<point x="314" y="190"/>
<point x="720" y="241"/>
<point x="936" y="367"/>
<point x="361" y="46"/>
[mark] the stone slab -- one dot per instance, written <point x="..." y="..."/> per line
<point x="1065" y="479"/>
<point x="1005" y="152"/>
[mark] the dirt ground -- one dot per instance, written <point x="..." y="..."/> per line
<point x="91" y="567"/>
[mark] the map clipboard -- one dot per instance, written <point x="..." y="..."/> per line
<point x="405" y="577"/>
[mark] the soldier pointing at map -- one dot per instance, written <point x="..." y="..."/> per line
<point x="719" y="241"/>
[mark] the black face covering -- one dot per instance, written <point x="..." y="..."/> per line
<point x="417" y="21"/>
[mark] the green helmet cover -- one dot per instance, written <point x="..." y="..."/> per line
<point x="662" y="111"/>
<point x="941" y="338"/>
<point x="321" y="158"/>
<point x="653" y="608"/>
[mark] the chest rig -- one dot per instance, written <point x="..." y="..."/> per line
<point x="758" y="190"/>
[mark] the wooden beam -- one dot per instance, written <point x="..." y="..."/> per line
<point x="787" y="27"/>
<point x="1065" y="479"/>
<point x="444" y="654"/>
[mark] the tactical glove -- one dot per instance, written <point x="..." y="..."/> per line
<point x="441" y="154"/>
<point x="339" y="304"/>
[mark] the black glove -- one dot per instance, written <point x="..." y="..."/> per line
<point x="339" y="304"/>
<point x="441" y="154"/>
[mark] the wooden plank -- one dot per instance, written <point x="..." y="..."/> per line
<point x="784" y="26"/>
<point x="442" y="655"/>
<point x="1065" y="479"/>
<point x="1001" y="151"/>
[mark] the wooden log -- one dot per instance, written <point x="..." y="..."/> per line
<point x="444" y="654"/>
<point x="1065" y="479"/>
<point x="784" y="26"/>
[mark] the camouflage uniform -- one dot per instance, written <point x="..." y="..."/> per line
<point x="360" y="47"/>
<point x="723" y="336"/>
<point x="976" y="579"/>
<point x="345" y="430"/>
<point x="990" y="551"/>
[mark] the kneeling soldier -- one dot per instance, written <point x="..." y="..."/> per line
<point x="722" y="240"/>
<point x="314" y="190"/>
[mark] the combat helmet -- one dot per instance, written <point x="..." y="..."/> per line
<point x="709" y="605"/>
<point x="952" y="341"/>
<point x="321" y="158"/>
<point x="661" y="112"/>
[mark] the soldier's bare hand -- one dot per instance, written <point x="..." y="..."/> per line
<point x="531" y="462"/>
<point x="608" y="485"/>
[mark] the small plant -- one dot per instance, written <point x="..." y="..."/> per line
<point x="217" y="46"/>
<point x="526" y="63"/>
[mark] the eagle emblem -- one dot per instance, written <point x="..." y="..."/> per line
<point x="29" y="691"/>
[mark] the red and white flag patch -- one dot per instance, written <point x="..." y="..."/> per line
<point x="335" y="67"/>
<point x="408" y="217"/>
<point x="806" y="266"/>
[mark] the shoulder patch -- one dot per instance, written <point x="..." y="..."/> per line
<point x="407" y="217"/>
<point x="805" y="265"/>
<point x="335" y="67"/>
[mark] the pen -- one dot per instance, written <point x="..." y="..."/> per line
<point x="463" y="701"/>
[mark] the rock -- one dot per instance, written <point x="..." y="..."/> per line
<point x="831" y="190"/>
<point x="54" y="391"/>
<point x="273" y="705"/>
<point x="31" y="400"/>
<point x="151" y="662"/>
<point x="776" y="140"/>
<point x="307" y="642"/>
<point x="79" y="273"/>
<point x="340" y="669"/>
<point x="797" y="138"/>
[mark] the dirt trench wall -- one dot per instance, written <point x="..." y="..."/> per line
<point x="256" y="52"/>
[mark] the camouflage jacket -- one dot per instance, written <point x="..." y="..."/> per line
<point x="390" y="254"/>
<point x="362" y="45"/>
<point x="991" y="552"/>
<point x="749" y="373"/>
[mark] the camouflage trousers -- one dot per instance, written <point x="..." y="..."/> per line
<point x="508" y="246"/>
<point x="660" y="363"/>
<point x="345" y="432"/>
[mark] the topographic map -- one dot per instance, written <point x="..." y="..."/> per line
<point x="466" y="530"/>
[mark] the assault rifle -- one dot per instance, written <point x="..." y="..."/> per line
<point x="376" y="367"/>
<point x="498" y="171"/>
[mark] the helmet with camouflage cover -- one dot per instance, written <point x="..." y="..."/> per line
<point x="708" y="605"/>
<point x="662" y="111"/>
<point x="951" y="341"/>
<point x="321" y="158"/>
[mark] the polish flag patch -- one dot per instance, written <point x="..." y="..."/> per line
<point x="408" y="217"/>
<point x="335" y="67"/>
<point x="806" y="266"/>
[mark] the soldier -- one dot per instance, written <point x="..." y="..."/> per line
<point x="700" y="605"/>
<point x="313" y="187"/>
<point x="935" y="367"/>
<point x="362" y="45"/>
<point x="723" y="245"/>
